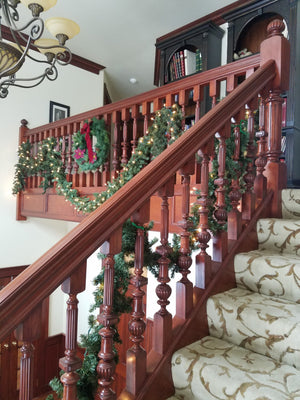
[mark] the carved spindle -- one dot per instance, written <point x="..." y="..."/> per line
<point x="198" y="96"/>
<point x="125" y="143"/>
<point x="106" y="365"/>
<point x="27" y="332"/>
<point x="22" y="137"/>
<point x="63" y="151"/>
<point x="214" y="92"/>
<point x="162" y="324"/>
<point x="146" y="114"/>
<point x="235" y="216"/>
<point x="203" y="260"/>
<point x="75" y="175"/>
<point x="248" y="202"/>
<point x="184" y="288"/>
<point x="135" y="114"/>
<point x="260" y="182"/>
<point x="116" y="119"/>
<point x="275" y="47"/>
<point x="70" y="363"/>
<point x="183" y="101"/>
<point x="69" y="152"/>
<point x="106" y="169"/>
<point x="231" y="83"/>
<point x="220" y="239"/>
<point x="136" y="356"/>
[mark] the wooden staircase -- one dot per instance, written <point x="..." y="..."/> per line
<point x="148" y="375"/>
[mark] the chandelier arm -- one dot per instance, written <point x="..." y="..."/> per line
<point x="50" y="73"/>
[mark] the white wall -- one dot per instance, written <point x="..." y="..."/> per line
<point x="22" y="242"/>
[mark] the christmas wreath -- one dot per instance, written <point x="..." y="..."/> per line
<point x="91" y="145"/>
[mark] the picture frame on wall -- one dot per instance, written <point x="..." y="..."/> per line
<point x="58" y="111"/>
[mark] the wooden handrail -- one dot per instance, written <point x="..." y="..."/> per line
<point x="21" y="296"/>
<point x="235" y="68"/>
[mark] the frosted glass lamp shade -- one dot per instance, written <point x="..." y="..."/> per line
<point x="45" y="4"/>
<point x="47" y="46"/>
<point x="62" y="26"/>
<point x="9" y="57"/>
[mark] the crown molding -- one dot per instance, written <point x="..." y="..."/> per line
<point x="76" y="60"/>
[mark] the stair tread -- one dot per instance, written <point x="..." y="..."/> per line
<point x="279" y="235"/>
<point x="212" y="368"/>
<point x="290" y="203"/>
<point x="271" y="274"/>
<point x="264" y="324"/>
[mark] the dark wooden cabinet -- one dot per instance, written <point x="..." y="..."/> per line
<point x="246" y="29"/>
<point x="204" y="39"/>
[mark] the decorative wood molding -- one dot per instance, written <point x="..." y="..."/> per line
<point x="77" y="61"/>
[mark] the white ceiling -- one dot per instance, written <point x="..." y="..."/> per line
<point x="121" y="34"/>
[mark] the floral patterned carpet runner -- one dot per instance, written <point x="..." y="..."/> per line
<point x="253" y="351"/>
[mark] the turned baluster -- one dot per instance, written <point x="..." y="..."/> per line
<point x="106" y="365"/>
<point x="248" y="200"/>
<point x="27" y="332"/>
<point x="198" y="96"/>
<point x="157" y="104"/>
<point x="183" y="101"/>
<point x="136" y="356"/>
<point x="75" y="175"/>
<point x="220" y="244"/>
<point x="70" y="363"/>
<point x="170" y="100"/>
<point x="275" y="47"/>
<point x="146" y="114"/>
<point x="125" y="144"/>
<point x="162" y="322"/>
<point x="63" y="151"/>
<point x="234" y="216"/>
<point x="134" y="114"/>
<point x="22" y="138"/>
<point x="69" y="153"/>
<point x="203" y="260"/>
<point x="231" y="83"/>
<point x="214" y="92"/>
<point x="184" y="288"/>
<point x="106" y="167"/>
<point x="30" y="180"/>
<point x="116" y="119"/>
<point x="260" y="182"/>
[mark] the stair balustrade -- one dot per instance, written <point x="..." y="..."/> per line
<point x="148" y="375"/>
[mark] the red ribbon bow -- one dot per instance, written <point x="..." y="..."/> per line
<point x="85" y="130"/>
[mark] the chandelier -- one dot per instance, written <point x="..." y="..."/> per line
<point x="14" y="52"/>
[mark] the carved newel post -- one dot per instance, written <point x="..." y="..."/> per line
<point x="275" y="47"/>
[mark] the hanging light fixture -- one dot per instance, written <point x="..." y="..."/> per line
<point x="13" y="54"/>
